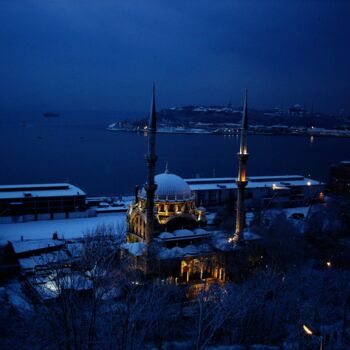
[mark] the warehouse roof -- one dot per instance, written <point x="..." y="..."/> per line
<point x="276" y="182"/>
<point x="39" y="190"/>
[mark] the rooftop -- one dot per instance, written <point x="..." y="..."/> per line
<point x="65" y="228"/>
<point x="39" y="190"/>
<point x="184" y="234"/>
<point x="277" y="182"/>
<point x="34" y="245"/>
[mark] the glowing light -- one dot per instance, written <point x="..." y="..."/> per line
<point x="307" y="330"/>
<point x="329" y="264"/>
<point x="273" y="186"/>
<point x="309" y="183"/>
<point x="145" y="127"/>
<point x="232" y="240"/>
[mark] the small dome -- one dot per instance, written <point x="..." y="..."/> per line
<point x="170" y="187"/>
<point x="165" y="235"/>
<point x="191" y="250"/>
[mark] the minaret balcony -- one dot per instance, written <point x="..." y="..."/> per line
<point x="243" y="156"/>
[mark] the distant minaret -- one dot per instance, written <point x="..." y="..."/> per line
<point x="151" y="158"/>
<point x="242" y="179"/>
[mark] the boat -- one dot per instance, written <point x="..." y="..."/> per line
<point x="51" y="114"/>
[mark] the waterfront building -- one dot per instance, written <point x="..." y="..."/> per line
<point x="40" y="202"/>
<point x="261" y="192"/>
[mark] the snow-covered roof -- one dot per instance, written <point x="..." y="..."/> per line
<point x="191" y="249"/>
<point x="136" y="249"/>
<point x="65" y="228"/>
<point x="48" y="286"/>
<point x="33" y="245"/>
<point x="30" y="263"/>
<point x="183" y="234"/>
<point x="40" y="190"/>
<point x="166" y="235"/>
<point x="277" y="182"/>
<point x="178" y="252"/>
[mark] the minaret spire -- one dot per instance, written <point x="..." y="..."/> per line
<point x="244" y="130"/>
<point x="153" y="115"/>
<point x="242" y="179"/>
<point x="166" y="168"/>
<point x="151" y="158"/>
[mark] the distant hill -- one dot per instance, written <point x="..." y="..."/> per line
<point x="295" y="116"/>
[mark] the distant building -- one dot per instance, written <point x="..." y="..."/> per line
<point x="296" y="110"/>
<point x="340" y="177"/>
<point x="40" y="202"/>
<point x="262" y="191"/>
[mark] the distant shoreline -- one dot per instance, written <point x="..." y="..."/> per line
<point x="318" y="133"/>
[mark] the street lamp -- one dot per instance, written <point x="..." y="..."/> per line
<point x="309" y="331"/>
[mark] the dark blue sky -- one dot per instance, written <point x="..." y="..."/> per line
<point x="104" y="55"/>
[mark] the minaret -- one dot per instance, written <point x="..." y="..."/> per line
<point x="242" y="179"/>
<point x="151" y="158"/>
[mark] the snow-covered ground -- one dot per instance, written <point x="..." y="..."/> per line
<point x="13" y="295"/>
<point x="66" y="228"/>
<point x="299" y="210"/>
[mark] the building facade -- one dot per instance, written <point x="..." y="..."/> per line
<point x="40" y="202"/>
<point x="261" y="192"/>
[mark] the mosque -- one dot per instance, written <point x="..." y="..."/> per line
<point x="166" y="232"/>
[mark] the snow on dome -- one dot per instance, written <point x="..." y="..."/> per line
<point x="164" y="254"/>
<point x="177" y="251"/>
<point x="170" y="187"/>
<point x="174" y="252"/>
<point x="191" y="249"/>
<point x="200" y="231"/>
<point x="183" y="233"/>
<point x="204" y="247"/>
<point x="165" y="235"/>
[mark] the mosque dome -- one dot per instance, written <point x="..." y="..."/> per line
<point x="170" y="187"/>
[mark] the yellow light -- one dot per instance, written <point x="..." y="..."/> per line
<point x="273" y="186"/>
<point x="231" y="240"/>
<point x="307" y="330"/>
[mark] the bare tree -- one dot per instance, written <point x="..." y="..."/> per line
<point x="281" y="242"/>
<point x="80" y="287"/>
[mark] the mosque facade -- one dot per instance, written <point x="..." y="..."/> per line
<point x="166" y="231"/>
